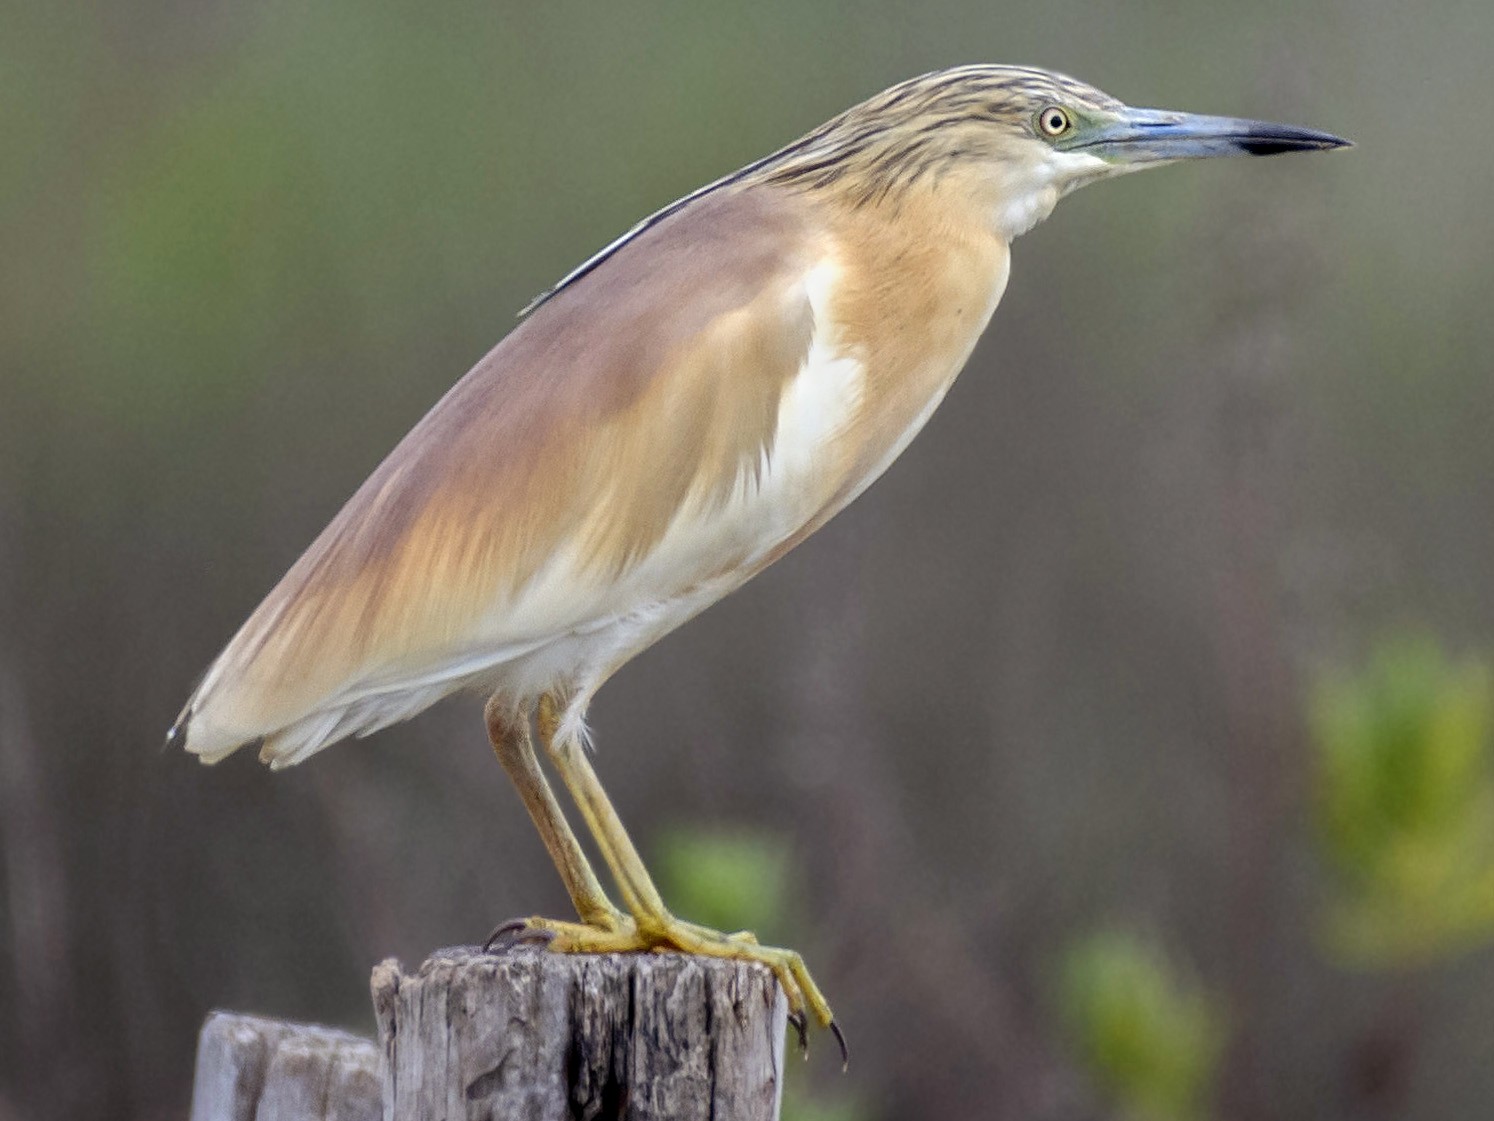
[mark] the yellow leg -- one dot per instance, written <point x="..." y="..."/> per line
<point x="637" y="900"/>
<point x="509" y="733"/>
<point x="655" y="928"/>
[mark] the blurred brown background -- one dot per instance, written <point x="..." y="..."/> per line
<point x="1052" y="676"/>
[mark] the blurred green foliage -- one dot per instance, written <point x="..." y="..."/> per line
<point x="1149" y="1034"/>
<point x="725" y="880"/>
<point x="1405" y="804"/>
<point x="735" y="880"/>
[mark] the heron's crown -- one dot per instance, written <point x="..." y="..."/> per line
<point x="924" y="126"/>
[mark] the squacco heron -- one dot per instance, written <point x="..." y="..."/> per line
<point x="676" y="414"/>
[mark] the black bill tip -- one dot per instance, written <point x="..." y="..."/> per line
<point x="1275" y="141"/>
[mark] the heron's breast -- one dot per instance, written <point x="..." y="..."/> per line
<point x="912" y="310"/>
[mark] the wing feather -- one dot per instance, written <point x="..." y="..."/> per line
<point x="523" y="504"/>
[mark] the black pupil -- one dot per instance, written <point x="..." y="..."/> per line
<point x="1055" y="121"/>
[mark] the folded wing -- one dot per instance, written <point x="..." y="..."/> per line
<point x="596" y="459"/>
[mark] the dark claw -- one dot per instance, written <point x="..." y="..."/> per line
<point x="801" y="1025"/>
<point x="513" y="933"/>
<point x="845" y="1052"/>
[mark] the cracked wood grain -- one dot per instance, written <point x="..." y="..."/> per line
<point x="533" y="1036"/>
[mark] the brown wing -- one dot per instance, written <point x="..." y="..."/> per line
<point x="655" y="377"/>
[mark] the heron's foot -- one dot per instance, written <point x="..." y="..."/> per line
<point x="804" y="996"/>
<point x="618" y="933"/>
<point x="579" y="937"/>
<point x="612" y="934"/>
<point x="603" y="924"/>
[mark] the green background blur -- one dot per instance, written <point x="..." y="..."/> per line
<point x="1020" y="750"/>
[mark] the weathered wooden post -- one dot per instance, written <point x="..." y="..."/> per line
<point x="253" y="1069"/>
<point x="534" y="1036"/>
<point x="520" y="1036"/>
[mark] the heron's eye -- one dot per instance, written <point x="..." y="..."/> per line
<point x="1054" y="121"/>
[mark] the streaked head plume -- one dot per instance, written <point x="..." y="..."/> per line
<point x="926" y="127"/>
<point x="1015" y="139"/>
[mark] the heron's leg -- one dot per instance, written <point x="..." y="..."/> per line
<point x="640" y="896"/>
<point x="656" y="928"/>
<point x="508" y="731"/>
<point x="633" y="881"/>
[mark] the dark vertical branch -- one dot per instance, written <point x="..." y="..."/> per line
<point x="1251" y="360"/>
<point x="35" y="884"/>
<point x="896" y="937"/>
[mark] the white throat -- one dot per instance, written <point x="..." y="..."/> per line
<point x="1030" y="194"/>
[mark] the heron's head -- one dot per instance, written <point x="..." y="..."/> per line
<point x="1015" y="139"/>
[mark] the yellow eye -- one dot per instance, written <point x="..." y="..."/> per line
<point x="1054" y="121"/>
